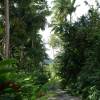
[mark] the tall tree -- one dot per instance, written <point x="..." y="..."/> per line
<point x="79" y="61"/>
<point x="26" y="19"/>
<point x="7" y="27"/>
<point x="63" y="8"/>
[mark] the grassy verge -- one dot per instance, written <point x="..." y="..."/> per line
<point x="48" y="95"/>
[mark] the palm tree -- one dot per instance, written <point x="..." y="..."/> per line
<point x="63" y="8"/>
<point x="71" y="8"/>
<point x="7" y="27"/>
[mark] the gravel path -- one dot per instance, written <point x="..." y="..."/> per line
<point x="61" y="95"/>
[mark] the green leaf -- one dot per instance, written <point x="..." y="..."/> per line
<point x="7" y="62"/>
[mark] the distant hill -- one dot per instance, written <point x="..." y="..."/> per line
<point x="48" y="61"/>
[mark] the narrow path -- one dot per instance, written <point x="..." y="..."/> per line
<point x="62" y="95"/>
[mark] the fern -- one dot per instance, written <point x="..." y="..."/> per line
<point x="7" y="66"/>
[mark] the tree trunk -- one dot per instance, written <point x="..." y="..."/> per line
<point x="7" y="27"/>
<point x="70" y="18"/>
<point x="53" y="53"/>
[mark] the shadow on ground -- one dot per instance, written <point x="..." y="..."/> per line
<point x="62" y="95"/>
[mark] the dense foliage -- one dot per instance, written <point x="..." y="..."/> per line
<point x="25" y="75"/>
<point x="78" y="60"/>
<point x="27" y="18"/>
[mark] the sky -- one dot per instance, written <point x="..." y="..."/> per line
<point x="81" y="10"/>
